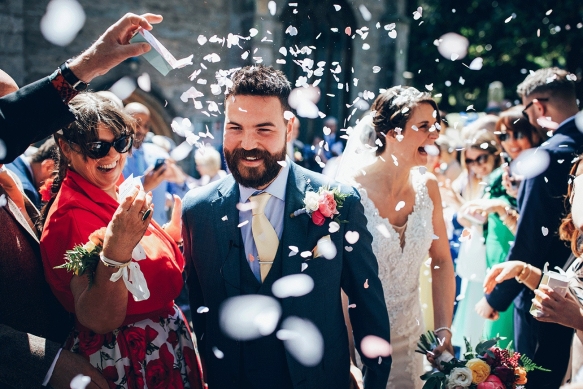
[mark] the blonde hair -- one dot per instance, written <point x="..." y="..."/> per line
<point x="209" y="157"/>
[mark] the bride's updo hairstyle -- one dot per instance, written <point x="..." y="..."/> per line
<point x="393" y="108"/>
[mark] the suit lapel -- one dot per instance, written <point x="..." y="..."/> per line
<point x="295" y="229"/>
<point x="225" y="207"/>
<point x="19" y="217"/>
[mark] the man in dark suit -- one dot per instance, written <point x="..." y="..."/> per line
<point x="549" y="99"/>
<point x="225" y="247"/>
<point x="32" y="323"/>
<point x="33" y="170"/>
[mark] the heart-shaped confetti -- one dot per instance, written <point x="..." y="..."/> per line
<point x="348" y="248"/>
<point x="333" y="227"/>
<point x="304" y="266"/>
<point x="352" y="236"/>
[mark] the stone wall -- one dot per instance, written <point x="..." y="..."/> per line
<point x="27" y="56"/>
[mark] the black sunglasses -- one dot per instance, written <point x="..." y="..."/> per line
<point x="99" y="149"/>
<point x="516" y="135"/>
<point x="530" y="104"/>
<point x="480" y="160"/>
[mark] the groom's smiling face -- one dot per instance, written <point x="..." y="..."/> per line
<point x="254" y="139"/>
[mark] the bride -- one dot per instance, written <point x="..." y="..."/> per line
<point x="404" y="212"/>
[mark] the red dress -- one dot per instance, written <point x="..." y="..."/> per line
<point x="154" y="347"/>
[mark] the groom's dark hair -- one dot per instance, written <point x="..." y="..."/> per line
<point x="260" y="80"/>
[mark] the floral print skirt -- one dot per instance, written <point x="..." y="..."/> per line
<point x="147" y="354"/>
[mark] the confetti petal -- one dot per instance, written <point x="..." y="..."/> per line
<point x="294" y="285"/>
<point x="352" y="236"/>
<point x="333" y="227"/>
<point x="202" y="309"/>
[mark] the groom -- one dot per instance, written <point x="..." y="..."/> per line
<point x="228" y="256"/>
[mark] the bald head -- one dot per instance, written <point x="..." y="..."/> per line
<point x="142" y="115"/>
<point x="7" y="84"/>
<point x="133" y="108"/>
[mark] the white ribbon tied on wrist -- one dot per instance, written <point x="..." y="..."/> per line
<point x="133" y="277"/>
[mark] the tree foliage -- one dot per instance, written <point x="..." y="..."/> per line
<point x="512" y="38"/>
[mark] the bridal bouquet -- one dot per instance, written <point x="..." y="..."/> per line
<point x="83" y="259"/>
<point x="486" y="367"/>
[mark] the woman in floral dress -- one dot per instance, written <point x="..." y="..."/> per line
<point x="136" y="339"/>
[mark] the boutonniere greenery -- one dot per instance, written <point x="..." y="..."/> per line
<point x="322" y="204"/>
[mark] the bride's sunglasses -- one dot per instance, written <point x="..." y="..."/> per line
<point x="99" y="149"/>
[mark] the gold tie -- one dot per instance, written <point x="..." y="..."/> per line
<point x="264" y="235"/>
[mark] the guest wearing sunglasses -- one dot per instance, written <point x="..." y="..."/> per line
<point x="541" y="206"/>
<point x="132" y="340"/>
<point x="481" y="158"/>
<point x="515" y="134"/>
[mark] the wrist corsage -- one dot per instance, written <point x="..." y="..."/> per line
<point x="83" y="259"/>
<point x="322" y="204"/>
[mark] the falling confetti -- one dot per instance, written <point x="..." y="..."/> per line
<point x="417" y="14"/>
<point x="304" y="266"/>
<point x="453" y="46"/>
<point x="373" y="346"/>
<point x="52" y="24"/>
<point x="352" y="236"/>
<point x="337" y="7"/>
<point x="333" y="227"/>
<point x="476" y="64"/>
<point x="294" y="285"/>
<point x="545" y="231"/>
<point x="366" y="284"/>
<point x="202" y="309"/>
<point x="302" y="340"/>
<point x="201" y="40"/>
<point x="400" y="205"/>
<point x="249" y="317"/>
<point x="80" y="382"/>
<point x="272" y="6"/>
<point x="366" y="15"/>
<point x="218" y="353"/>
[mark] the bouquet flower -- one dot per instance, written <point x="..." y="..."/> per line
<point x="486" y="367"/>
<point x="83" y="259"/>
<point x="322" y="204"/>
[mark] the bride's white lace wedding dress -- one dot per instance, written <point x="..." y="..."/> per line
<point x="399" y="269"/>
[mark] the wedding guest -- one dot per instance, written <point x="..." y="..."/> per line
<point x="111" y="324"/>
<point x="208" y="165"/>
<point x="295" y="147"/>
<point x="549" y="100"/>
<point x="481" y="158"/>
<point x="48" y="98"/>
<point x="30" y="355"/>
<point x="160" y="179"/>
<point x="35" y="169"/>
<point x="515" y="134"/>
<point x="555" y="307"/>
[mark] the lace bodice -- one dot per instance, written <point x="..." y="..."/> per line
<point x="399" y="267"/>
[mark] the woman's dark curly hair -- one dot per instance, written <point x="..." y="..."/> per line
<point x="393" y="108"/>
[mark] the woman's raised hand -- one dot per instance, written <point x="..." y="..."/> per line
<point x="174" y="227"/>
<point x="502" y="272"/>
<point x="129" y="223"/>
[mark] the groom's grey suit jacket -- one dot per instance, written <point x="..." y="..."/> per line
<point x="212" y="247"/>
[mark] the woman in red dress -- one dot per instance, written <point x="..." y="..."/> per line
<point x="135" y="341"/>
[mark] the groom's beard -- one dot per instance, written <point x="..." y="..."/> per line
<point x="254" y="177"/>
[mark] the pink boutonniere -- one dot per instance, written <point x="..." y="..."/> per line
<point x="322" y="204"/>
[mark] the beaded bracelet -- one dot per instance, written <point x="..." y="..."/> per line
<point x="443" y="328"/>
